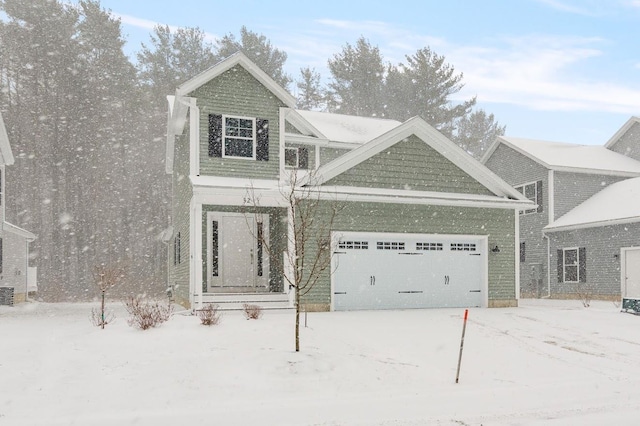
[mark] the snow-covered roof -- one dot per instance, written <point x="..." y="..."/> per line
<point x="616" y="204"/>
<point x="6" y="156"/>
<point x="571" y="157"/>
<point x="348" y="128"/>
<point x="620" y="133"/>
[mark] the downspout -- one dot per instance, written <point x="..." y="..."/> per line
<point x="552" y="208"/>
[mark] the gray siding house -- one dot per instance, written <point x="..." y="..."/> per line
<point x="563" y="253"/>
<point x="17" y="278"/>
<point x="421" y="224"/>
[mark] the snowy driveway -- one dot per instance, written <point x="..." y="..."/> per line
<point x="546" y="362"/>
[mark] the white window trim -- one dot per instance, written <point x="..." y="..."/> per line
<point x="535" y="197"/>
<point x="224" y="137"/>
<point x="564" y="265"/>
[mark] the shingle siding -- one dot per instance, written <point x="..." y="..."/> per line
<point x="410" y="164"/>
<point x="237" y="92"/>
<point x="398" y="218"/>
<point x="629" y="143"/>
<point x="602" y="246"/>
<point x="517" y="169"/>
<point x="329" y="154"/>
<point x="571" y="189"/>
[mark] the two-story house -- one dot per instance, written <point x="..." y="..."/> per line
<point x="17" y="279"/>
<point x="421" y="223"/>
<point x="573" y="187"/>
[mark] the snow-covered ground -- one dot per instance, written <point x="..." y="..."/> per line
<point x="546" y="362"/>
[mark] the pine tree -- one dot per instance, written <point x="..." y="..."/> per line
<point x="475" y="132"/>
<point x="311" y="95"/>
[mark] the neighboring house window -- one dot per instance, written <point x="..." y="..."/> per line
<point x="522" y="252"/>
<point x="176" y="250"/>
<point x="533" y="191"/>
<point x="572" y="265"/>
<point x="238" y="137"/>
<point x="296" y="158"/>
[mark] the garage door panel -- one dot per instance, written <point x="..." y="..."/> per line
<point x="413" y="271"/>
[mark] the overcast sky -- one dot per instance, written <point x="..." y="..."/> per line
<point x="560" y="70"/>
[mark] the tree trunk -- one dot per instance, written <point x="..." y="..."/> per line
<point x="297" y="319"/>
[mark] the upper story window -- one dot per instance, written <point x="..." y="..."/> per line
<point x="533" y="191"/>
<point x="238" y="137"/>
<point x="296" y="158"/>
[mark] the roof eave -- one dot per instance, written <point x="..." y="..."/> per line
<point x="596" y="224"/>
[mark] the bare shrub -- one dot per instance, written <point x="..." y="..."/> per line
<point x="584" y="292"/>
<point x="252" y="311"/>
<point x="101" y="317"/>
<point x="144" y="314"/>
<point x="209" y="315"/>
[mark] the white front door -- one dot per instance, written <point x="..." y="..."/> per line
<point x="236" y="258"/>
<point x="631" y="273"/>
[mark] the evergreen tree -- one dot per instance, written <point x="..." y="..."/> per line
<point x="259" y="49"/>
<point x="475" y="132"/>
<point x="358" y="79"/>
<point x="311" y="94"/>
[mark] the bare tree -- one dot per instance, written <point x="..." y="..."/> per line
<point x="105" y="277"/>
<point x="310" y="219"/>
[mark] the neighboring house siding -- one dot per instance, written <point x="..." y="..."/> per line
<point x="14" y="267"/>
<point x="277" y="241"/>
<point x="629" y="143"/>
<point x="603" y="258"/>
<point x="411" y="165"/>
<point x="376" y="217"/>
<point x="517" y="169"/>
<point x="182" y="193"/>
<point x="572" y="189"/>
<point x="238" y="93"/>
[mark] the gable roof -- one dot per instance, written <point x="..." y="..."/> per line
<point x="6" y="156"/>
<point x="620" y="133"/>
<point x="237" y="58"/>
<point x="9" y="227"/>
<point x="347" y="128"/>
<point x="616" y="204"/>
<point x="433" y="138"/>
<point x="570" y="157"/>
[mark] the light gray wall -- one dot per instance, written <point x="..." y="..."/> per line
<point x="629" y="143"/>
<point x="571" y="189"/>
<point x="603" y="261"/>
<point x="14" y="264"/>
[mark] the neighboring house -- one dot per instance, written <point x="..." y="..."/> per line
<point x="560" y="177"/>
<point x="626" y="141"/>
<point x="423" y="224"/>
<point x="17" y="279"/>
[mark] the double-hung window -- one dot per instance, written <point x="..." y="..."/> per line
<point x="572" y="265"/>
<point x="533" y="191"/>
<point x="296" y="158"/>
<point x="239" y="137"/>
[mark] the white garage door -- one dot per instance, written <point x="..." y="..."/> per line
<point x="402" y="271"/>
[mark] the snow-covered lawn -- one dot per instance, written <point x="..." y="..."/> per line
<point x="546" y="362"/>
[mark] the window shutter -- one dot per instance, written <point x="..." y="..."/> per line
<point x="560" y="265"/>
<point x="303" y="157"/>
<point x="215" y="135"/>
<point x="582" y="264"/>
<point x="262" y="139"/>
<point x="522" y="252"/>
<point x="539" y="195"/>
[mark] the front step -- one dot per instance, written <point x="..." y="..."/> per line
<point x="236" y="301"/>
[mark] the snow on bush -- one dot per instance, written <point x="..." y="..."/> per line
<point x="144" y="314"/>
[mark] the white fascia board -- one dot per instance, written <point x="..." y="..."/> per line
<point x="237" y="58"/>
<point x="376" y="195"/>
<point x="302" y="125"/>
<point x="594" y="171"/>
<point x="228" y="182"/>
<point x="599" y="224"/>
<point x="624" y="129"/>
<point x="490" y="151"/>
<point x="310" y="140"/>
<point x="9" y="227"/>
<point x="523" y="152"/>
